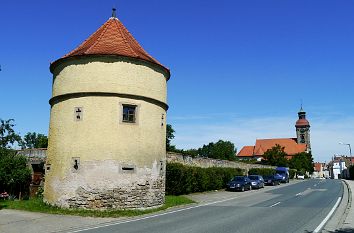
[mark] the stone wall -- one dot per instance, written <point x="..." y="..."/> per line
<point x="139" y="196"/>
<point x="207" y="162"/>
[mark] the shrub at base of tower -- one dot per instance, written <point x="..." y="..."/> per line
<point x="181" y="179"/>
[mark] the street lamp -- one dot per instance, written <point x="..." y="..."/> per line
<point x="350" y="151"/>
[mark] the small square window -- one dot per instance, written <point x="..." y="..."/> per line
<point x="129" y="113"/>
<point x="78" y="113"/>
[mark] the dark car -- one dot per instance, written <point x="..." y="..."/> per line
<point x="239" y="183"/>
<point x="256" y="181"/>
<point x="272" y="180"/>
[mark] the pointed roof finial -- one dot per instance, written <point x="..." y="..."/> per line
<point x="301" y="109"/>
<point x="114" y="15"/>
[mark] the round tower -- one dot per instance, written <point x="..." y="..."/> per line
<point x="107" y="134"/>
<point x="303" y="129"/>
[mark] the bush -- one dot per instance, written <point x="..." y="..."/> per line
<point x="181" y="179"/>
<point x="261" y="171"/>
<point x="351" y="172"/>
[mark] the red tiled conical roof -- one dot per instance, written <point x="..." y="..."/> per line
<point x="111" y="39"/>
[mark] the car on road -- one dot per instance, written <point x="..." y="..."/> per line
<point x="257" y="181"/>
<point x="284" y="173"/>
<point x="239" y="183"/>
<point x="272" y="180"/>
<point x="300" y="176"/>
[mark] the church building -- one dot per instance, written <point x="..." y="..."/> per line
<point x="291" y="146"/>
<point x="107" y="133"/>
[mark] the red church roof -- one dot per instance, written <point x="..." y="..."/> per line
<point x="290" y="145"/>
<point x="246" y="151"/>
<point x="111" y="39"/>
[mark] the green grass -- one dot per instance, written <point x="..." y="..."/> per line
<point x="37" y="205"/>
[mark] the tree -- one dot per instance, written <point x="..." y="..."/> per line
<point x="15" y="176"/>
<point x="169" y="136"/>
<point x="220" y="150"/>
<point x="276" y="156"/>
<point x="14" y="173"/>
<point x="34" y="140"/>
<point x="302" y="162"/>
<point x="7" y="134"/>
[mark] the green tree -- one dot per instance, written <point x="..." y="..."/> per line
<point x="220" y="150"/>
<point x="169" y="136"/>
<point x="190" y="152"/>
<point x="14" y="173"/>
<point x="302" y="162"/>
<point x="276" y="156"/>
<point x="15" y="176"/>
<point x="7" y="134"/>
<point x="34" y="140"/>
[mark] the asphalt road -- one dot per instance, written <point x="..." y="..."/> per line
<point x="299" y="207"/>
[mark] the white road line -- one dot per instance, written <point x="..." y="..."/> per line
<point x="275" y="204"/>
<point x="298" y="194"/>
<point x="151" y="216"/>
<point x="327" y="217"/>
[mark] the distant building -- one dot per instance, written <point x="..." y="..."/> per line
<point x="338" y="169"/>
<point x="291" y="146"/>
<point x="320" y="170"/>
<point x="36" y="158"/>
<point x="339" y="166"/>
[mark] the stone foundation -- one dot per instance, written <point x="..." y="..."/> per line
<point x="139" y="196"/>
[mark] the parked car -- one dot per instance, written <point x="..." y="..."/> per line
<point x="257" y="181"/>
<point x="300" y="176"/>
<point x="284" y="173"/>
<point x="239" y="183"/>
<point x="272" y="180"/>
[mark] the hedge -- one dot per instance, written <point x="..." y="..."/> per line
<point x="261" y="171"/>
<point x="351" y="172"/>
<point x="182" y="179"/>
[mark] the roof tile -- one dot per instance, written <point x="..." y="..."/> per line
<point x="112" y="38"/>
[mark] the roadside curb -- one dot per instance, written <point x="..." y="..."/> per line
<point x="338" y="218"/>
<point x="349" y="205"/>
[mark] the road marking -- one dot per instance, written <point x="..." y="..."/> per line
<point x="275" y="204"/>
<point x="151" y="216"/>
<point x="327" y="217"/>
<point x="298" y="194"/>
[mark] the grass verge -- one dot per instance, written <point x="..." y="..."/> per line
<point x="37" y="205"/>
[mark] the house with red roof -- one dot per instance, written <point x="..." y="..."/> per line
<point x="291" y="146"/>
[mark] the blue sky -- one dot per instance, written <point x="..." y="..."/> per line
<point x="239" y="68"/>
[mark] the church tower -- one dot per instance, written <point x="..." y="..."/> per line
<point x="303" y="129"/>
<point x="107" y="133"/>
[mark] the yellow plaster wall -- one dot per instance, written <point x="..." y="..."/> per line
<point x="110" y="75"/>
<point x="101" y="141"/>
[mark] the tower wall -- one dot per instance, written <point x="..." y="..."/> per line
<point x="99" y="161"/>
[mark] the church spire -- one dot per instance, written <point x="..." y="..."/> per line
<point x="302" y="126"/>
